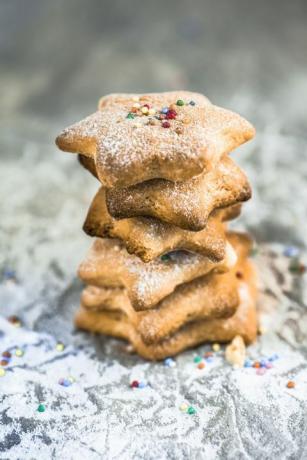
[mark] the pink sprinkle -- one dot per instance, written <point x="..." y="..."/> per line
<point x="269" y="365"/>
<point x="261" y="371"/>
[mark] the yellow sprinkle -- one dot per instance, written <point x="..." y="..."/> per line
<point x="2" y="372"/>
<point x="138" y="125"/>
<point x="71" y="379"/>
<point x="183" y="407"/>
<point x="216" y="347"/>
<point x="262" y="330"/>
<point x="144" y="110"/>
<point x="135" y="98"/>
<point x="60" y="346"/>
<point x="151" y="111"/>
<point x="19" y="352"/>
<point x="136" y="105"/>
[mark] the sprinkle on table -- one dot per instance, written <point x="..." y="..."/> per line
<point x="191" y="410"/>
<point x="19" y="352"/>
<point x="197" y="359"/>
<point x="169" y="362"/>
<point x="60" y="346"/>
<point x="291" y="384"/>
<point x="4" y="362"/>
<point x="166" y="124"/>
<point x="7" y="354"/>
<point x="201" y="365"/>
<point x="183" y="407"/>
<point x="291" y="251"/>
<point x="41" y="408"/>
<point x="14" y="320"/>
<point x="180" y="102"/>
<point x="130" y="116"/>
<point x="216" y="347"/>
<point x="2" y="372"/>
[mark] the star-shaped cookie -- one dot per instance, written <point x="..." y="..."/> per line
<point x="175" y="135"/>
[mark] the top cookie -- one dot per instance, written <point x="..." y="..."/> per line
<point x="174" y="135"/>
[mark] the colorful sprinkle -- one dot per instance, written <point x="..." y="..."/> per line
<point x="248" y="363"/>
<point x="201" y="365"/>
<point x="197" y="359"/>
<point x="257" y="364"/>
<point x="192" y="103"/>
<point x="19" y="352"/>
<point x="65" y="382"/>
<point x="291" y="251"/>
<point x="166" y="124"/>
<point x="41" y="408"/>
<point x="165" y="257"/>
<point x="180" y="102"/>
<point x="6" y="354"/>
<point x="261" y="371"/>
<point x="136" y="105"/>
<point x="142" y="384"/>
<point x="60" y="346"/>
<point x="291" y="384"/>
<point x="208" y="354"/>
<point x="134" y="384"/>
<point x="216" y="347"/>
<point x="183" y="407"/>
<point x="2" y="372"/>
<point x="151" y="111"/>
<point x="164" y="110"/>
<point x="297" y="267"/>
<point x="4" y="362"/>
<point x="171" y="115"/>
<point x="144" y="110"/>
<point x="130" y="116"/>
<point x="13" y="319"/>
<point x="9" y="274"/>
<point x="135" y="98"/>
<point x="191" y="410"/>
<point x="169" y="362"/>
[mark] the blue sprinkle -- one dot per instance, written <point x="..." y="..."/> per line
<point x="164" y="110"/>
<point x="291" y="251"/>
<point x="169" y="362"/>
<point x="192" y="102"/>
<point x="9" y="274"/>
<point x="274" y="357"/>
<point x="5" y="358"/>
<point x="248" y="363"/>
<point x="263" y="363"/>
<point x="142" y="385"/>
<point x="66" y="383"/>
<point x="209" y="359"/>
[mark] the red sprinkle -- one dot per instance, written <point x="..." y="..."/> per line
<point x="6" y="354"/>
<point x="256" y="364"/>
<point x="134" y="384"/>
<point x="290" y="384"/>
<point x="3" y="362"/>
<point x="146" y="105"/>
<point x="201" y="365"/>
<point x="171" y="114"/>
<point x="166" y="124"/>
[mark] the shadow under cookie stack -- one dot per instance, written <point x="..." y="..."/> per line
<point x="164" y="273"/>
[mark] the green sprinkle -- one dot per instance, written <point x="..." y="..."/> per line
<point x="165" y="257"/>
<point x="130" y="116"/>
<point x="180" y="102"/>
<point x="197" y="359"/>
<point x="191" y="410"/>
<point x="41" y="408"/>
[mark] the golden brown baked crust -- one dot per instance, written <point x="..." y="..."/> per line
<point x="127" y="151"/>
<point x="149" y="238"/>
<point x="188" y="204"/>
<point x="211" y="296"/>
<point x="108" y="264"/>
<point x="243" y="323"/>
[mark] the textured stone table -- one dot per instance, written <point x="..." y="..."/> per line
<point x="56" y="59"/>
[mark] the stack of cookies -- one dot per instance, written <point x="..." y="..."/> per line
<point x="164" y="273"/>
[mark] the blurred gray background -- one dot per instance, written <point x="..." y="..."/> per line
<point x="58" y="57"/>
